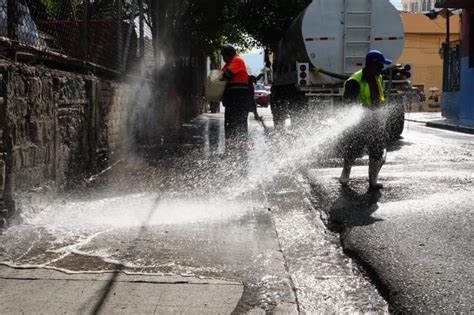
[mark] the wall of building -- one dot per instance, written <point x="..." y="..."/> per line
<point x="466" y="107"/>
<point x="459" y="105"/>
<point x="451" y="104"/>
<point x="417" y="5"/>
<point x="59" y="128"/>
<point x="423" y="40"/>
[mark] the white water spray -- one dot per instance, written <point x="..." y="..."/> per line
<point x="200" y="192"/>
<point x="287" y="154"/>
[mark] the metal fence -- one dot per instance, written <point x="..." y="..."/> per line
<point x="451" y="67"/>
<point x="113" y="34"/>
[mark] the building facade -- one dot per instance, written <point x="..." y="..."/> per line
<point x="458" y="101"/>
<point x="415" y="6"/>
<point x="423" y="40"/>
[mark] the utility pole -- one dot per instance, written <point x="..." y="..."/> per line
<point x="119" y="37"/>
<point x="447" y="26"/>
<point x="141" y="22"/>
<point x="12" y="24"/>
<point x="447" y="56"/>
<point x="85" y="30"/>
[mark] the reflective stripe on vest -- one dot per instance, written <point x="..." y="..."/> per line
<point x="364" y="92"/>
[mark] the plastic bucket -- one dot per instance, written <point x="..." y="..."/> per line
<point x="214" y="86"/>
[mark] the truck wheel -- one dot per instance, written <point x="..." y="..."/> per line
<point x="298" y="110"/>
<point x="395" y="125"/>
<point x="279" y="114"/>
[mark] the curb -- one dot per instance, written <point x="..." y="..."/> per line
<point x="445" y="126"/>
<point x="457" y="128"/>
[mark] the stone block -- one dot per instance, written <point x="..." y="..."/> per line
<point x="17" y="159"/>
<point x="19" y="86"/>
<point x="35" y="89"/>
<point x="2" y="176"/>
<point x="51" y="108"/>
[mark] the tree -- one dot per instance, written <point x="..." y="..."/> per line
<point x="55" y="9"/>
<point x="267" y="20"/>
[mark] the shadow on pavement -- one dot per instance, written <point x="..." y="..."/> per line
<point x="353" y="208"/>
<point x="397" y="145"/>
<point x="103" y="294"/>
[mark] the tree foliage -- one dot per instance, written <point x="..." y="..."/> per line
<point x="204" y="24"/>
<point x="246" y="23"/>
<point x="267" y="20"/>
<point x="56" y="9"/>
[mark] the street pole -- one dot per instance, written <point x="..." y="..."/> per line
<point x="84" y="33"/>
<point x="446" y="57"/>
<point x="12" y="19"/>
<point x="142" y="37"/>
<point x="447" y="27"/>
<point x="12" y="24"/>
<point x="119" y="37"/>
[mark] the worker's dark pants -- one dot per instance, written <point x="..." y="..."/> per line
<point x="369" y="132"/>
<point x="236" y="103"/>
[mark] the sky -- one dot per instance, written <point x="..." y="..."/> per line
<point x="254" y="59"/>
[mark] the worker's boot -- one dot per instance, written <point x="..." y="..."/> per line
<point x="374" y="169"/>
<point x="346" y="172"/>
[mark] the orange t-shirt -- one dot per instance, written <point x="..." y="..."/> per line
<point x="235" y="71"/>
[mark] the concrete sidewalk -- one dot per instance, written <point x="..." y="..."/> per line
<point x="33" y="291"/>
<point x="435" y="120"/>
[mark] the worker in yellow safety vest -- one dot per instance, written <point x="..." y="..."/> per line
<point x="366" y="87"/>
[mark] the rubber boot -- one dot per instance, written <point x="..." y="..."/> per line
<point x="346" y="172"/>
<point x="374" y="169"/>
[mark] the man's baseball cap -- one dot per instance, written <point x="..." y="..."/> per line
<point x="228" y="50"/>
<point x="376" y="56"/>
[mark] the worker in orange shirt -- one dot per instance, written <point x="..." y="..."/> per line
<point x="236" y="98"/>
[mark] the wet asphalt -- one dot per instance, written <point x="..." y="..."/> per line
<point x="189" y="207"/>
<point x="414" y="237"/>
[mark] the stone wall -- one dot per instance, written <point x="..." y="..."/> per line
<point x="58" y="127"/>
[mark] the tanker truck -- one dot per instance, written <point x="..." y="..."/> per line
<point x="328" y="42"/>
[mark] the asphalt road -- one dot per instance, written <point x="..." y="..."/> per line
<point x="414" y="237"/>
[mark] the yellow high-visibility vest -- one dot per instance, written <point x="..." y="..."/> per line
<point x="364" y="92"/>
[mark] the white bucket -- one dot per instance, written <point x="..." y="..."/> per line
<point x="214" y="86"/>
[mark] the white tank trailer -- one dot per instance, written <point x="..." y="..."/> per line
<point x="328" y="42"/>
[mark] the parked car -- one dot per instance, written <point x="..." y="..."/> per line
<point x="262" y="95"/>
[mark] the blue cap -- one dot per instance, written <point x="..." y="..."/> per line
<point x="376" y="55"/>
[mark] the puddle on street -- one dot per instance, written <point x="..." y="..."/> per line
<point x="189" y="209"/>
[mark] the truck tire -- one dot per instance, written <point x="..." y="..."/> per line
<point x="395" y="123"/>
<point x="298" y="110"/>
<point x="279" y="114"/>
<point x="279" y="107"/>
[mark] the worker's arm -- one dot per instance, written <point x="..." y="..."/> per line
<point x="351" y="91"/>
<point x="228" y="74"/>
